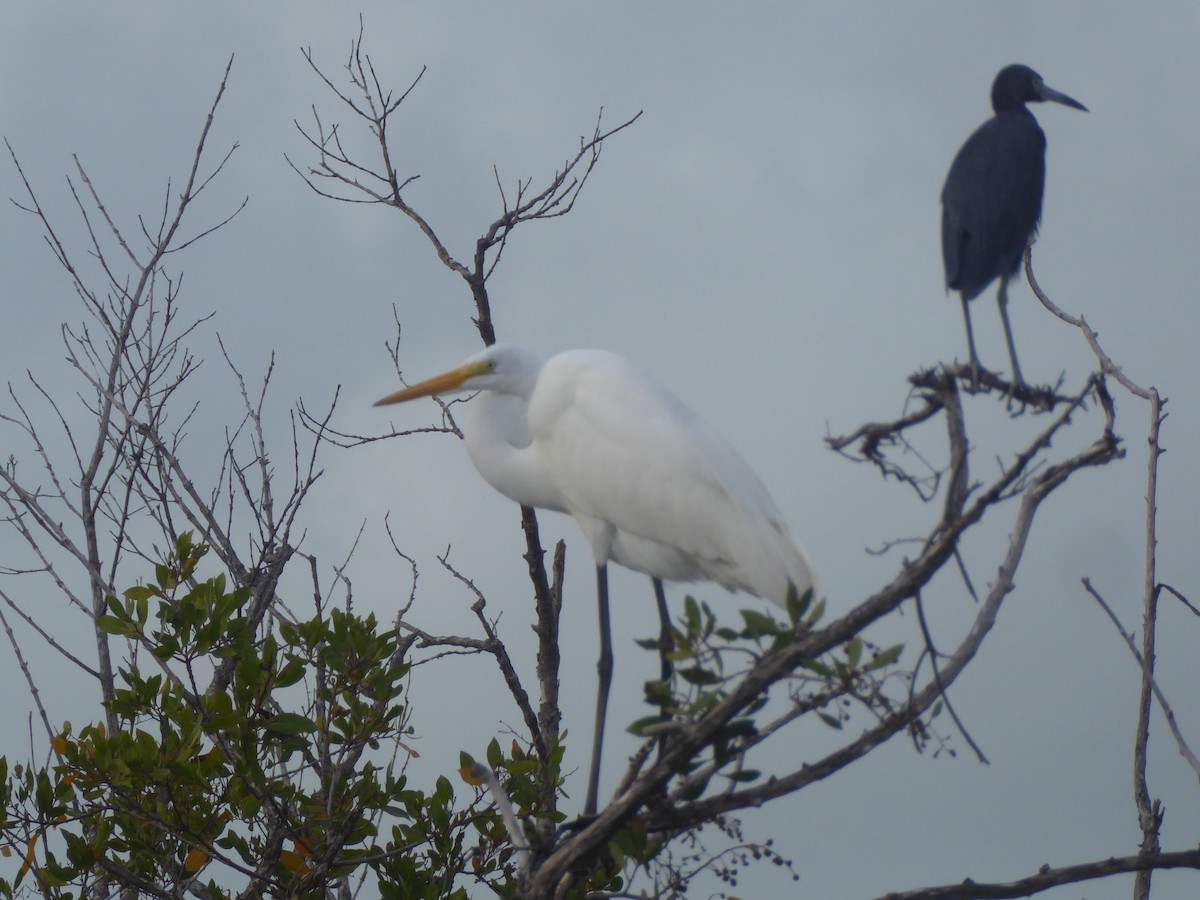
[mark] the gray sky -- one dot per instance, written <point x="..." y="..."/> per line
<point x="765" y="241"/>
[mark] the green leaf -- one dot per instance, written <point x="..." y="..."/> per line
<point x="113" y="625"/>
<point x="140" y="592"/>
<point x="817" y="612"/>
<point x="757" y="624"/>
<point x="739" y="728"/>
<point x="183" y="545"/>
<point x="288" y="633"/>
<point x="290" y="724"/>
<point x="853" y="652"/>
<point x="744" y="775"/>
<point x="495" y="756"/>
<point x="885" y="658"/>
<point x="658" y="692"/>
<point x="797" y="605"/>
<point x="700" y="676"/>
<point x="641" y="726"/>
<point x="164" y="576"/>
<point x="817" y="667"/>
<point x="831" y="721"/>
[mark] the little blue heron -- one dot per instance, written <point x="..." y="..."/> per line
<point x="992" y="199"/>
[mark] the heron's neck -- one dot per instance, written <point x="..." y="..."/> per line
<point x="498" y="441"/>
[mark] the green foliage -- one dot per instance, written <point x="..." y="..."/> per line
<point x="271" y="761"/>
<point x="708" y="659"/>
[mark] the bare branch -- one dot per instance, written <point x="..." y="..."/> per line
<point x="1048" y="877"/>
<point x="1184" y="750"/>
<point x="1015" y="479"/>
<point x="937" y="678"/>
<point x="1106" y="363"/>
<point x="1181" y="598"/>
<point x="33" y="688"/>
<point x="1149" y="811"/>
<point x="494" y="646"/>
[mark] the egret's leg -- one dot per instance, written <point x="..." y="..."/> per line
<point x="1002" y="301"/>
<point x="966" y="305"/>
<point x="604" y="667"/>
<point x="665" y="642"/>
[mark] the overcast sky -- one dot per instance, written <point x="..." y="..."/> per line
<point x="765" y="241"/>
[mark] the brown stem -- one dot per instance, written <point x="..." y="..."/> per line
<point x="1149" y="811"/>
<point x="1047" y="878"/>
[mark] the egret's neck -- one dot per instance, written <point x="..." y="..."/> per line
<point x="496" y="432"/>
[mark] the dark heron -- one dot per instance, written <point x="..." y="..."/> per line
<point x="992" y="198"/>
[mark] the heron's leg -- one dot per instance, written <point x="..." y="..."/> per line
<point x="1002" y="301"/>
<point x="604" y="667"/>
<point x="966" y="305"/>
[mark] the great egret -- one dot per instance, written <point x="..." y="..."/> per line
<point x="653" y="487"/>
<point x="992" y="199"/>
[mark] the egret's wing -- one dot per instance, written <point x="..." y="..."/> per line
<point x="625" y="451"/>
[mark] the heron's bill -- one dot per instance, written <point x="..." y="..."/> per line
<point x="439" y="384"/>
<point x="1049" y="93"/>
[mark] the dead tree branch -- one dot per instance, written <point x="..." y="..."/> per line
<point x="1048" y="878"/>
<point x="1149" y="811"/>
<point x="1029" y="477"/>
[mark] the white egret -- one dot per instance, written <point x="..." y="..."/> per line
<point x="653" y="487"/>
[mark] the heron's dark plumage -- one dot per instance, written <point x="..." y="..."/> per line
<point x="992" y="201"/>
<point x="992" y="198"/>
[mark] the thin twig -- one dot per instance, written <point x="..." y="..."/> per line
<point x="1184" y="750"/>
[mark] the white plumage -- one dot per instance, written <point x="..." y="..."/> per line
<point x="651" y="485"/>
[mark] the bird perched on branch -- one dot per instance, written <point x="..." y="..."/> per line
<point x="992" y="199"/>
<point x="651" y="485"/>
